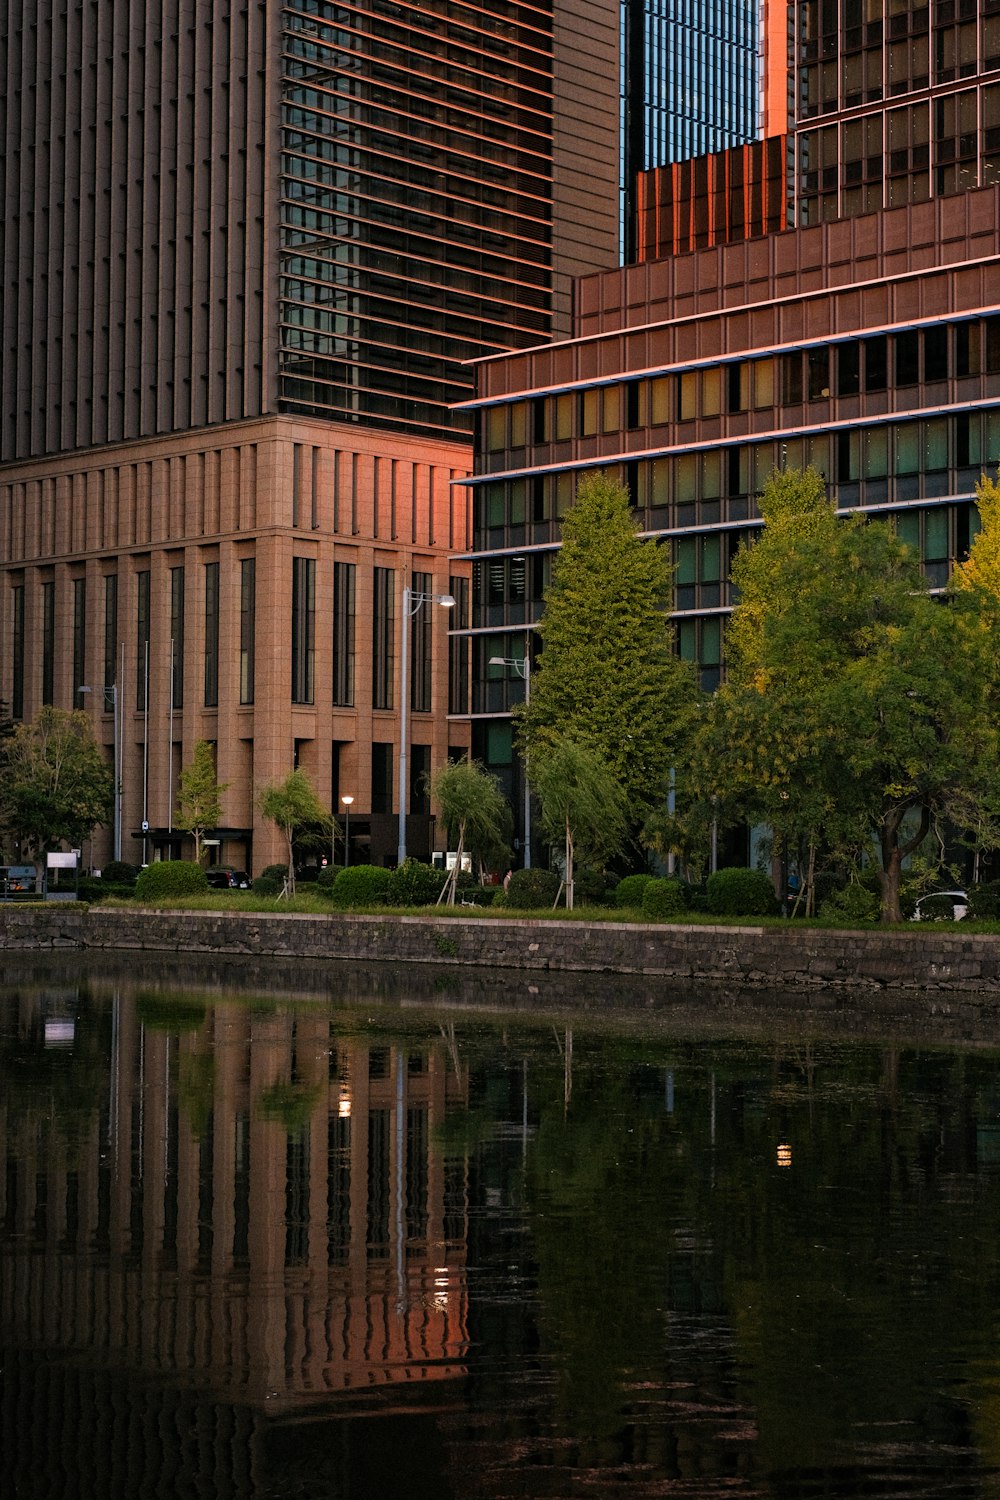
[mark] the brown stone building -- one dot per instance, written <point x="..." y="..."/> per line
<point x="246" y="251"/>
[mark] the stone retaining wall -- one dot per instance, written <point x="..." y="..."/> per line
<point x="931" y="958"/>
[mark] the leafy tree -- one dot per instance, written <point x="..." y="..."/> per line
<point x="583" y="806"/>
<point x="854" y="706"/>
<point x="56" y="785"/>
<point x="293" y="804"/>
<point x="475" y="813"/>
<point x="976" y="596"/>
<point x="607" y="672"/>
<point x="199" y="796"/>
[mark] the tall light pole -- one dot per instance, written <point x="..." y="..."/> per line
<point x="413" y="602"/>
<point x="522" y="666"/>
<point x="111" y="691"/>
<point x="347" y="829"/>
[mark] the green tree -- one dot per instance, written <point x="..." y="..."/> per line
<point x="582" y="805"/>
<point x="854" y="706"/>
<point x="608" y="673"/>
<point x="56" y="785"/>
<point x="199" y="796"/>
<point x="976" y="596"/>
<point x="476" y="815"/>
<point x="293" y="804"/>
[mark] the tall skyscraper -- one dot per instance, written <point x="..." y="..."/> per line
<point x="246" y="250"/>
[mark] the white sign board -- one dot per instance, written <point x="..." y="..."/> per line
<point x="61" y="861"/>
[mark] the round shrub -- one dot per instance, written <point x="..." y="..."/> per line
<point x="361" y="885"/>
<point x="854" y="904"/>
<point x="327" y="878"/>
<point x="984" y="902"/>
<point x="741" y="893"/>
<point x="629" y="891"/>
<point x="590" y="888"/>
<point x="530" y="890"/>
<point x="662" y="898"/>
<point x="414" y="884"/>
<point x="118" y="872"/>
<point x="170" y="877"/>
<point x="271" y="880"/>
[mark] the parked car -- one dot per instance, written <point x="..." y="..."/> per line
<point x="221" y="878"/>
<point x="941" y="906"/>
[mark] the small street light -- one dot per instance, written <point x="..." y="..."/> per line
<point x="522" y="666"/>
<point x="413" y="601"/>
<point x="347" y="829"/>
<point x="111" y="691"/>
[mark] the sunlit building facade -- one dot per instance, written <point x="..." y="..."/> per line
<point x="247" y="251"/>
<point x="827" y="295"/>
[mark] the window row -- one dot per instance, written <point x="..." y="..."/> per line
<point x="879" y="362"/>
<point x="874" y="465"/>
<point x="118" y="661"/>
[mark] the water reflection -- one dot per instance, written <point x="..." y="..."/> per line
<point x="255" y="1247"/>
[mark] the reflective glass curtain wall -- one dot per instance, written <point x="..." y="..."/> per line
<point x="690" y="84"/>
<point x="416" y="202"/>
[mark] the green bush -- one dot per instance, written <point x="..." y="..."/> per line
<point x="170" y="877"/>
<point x="530" y="890"/>
<point x="361" y="885"/>
<point x="662" y="898"/>
<point x="92" y="889"/>
<point x="117" y="872"/>
<point x="326" y="879"/>
<point x="414" y="884"/>
<point x="741" y="893"/>
<point x="629" y="891"/>
<point x="984" y="902"/>
<point x="470" y="893"/>
<point x="271" y="880"/>
<point x="592" y="888"/>
<point x="854" y="904"/>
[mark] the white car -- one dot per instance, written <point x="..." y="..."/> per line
<point x="941" y="906"/>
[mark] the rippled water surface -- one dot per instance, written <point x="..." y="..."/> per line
<point x="368" y="1242"/>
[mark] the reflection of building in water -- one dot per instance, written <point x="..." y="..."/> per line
<point x="244" y="1201"/>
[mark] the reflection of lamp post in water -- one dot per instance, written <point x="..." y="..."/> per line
<point x="413" y="601"/>
<point x="111" y="692"/>
<point x="347" y="829"/>
<point x="522" y="666"/>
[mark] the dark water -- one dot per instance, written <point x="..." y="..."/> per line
<point x="376" y="1242"/>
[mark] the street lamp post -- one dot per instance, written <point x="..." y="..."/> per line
<point x="413" y="601"/>
<point x="347" y="829"/>
<point x="112" y="691"/>
<point x="522" y="666"/>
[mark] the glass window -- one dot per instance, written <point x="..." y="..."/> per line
<point x="659" y="400"/>
<point x="907" y="350"/>
<point x="79" y="638"/>
<point x="248" y="623"/>
<point x="519" y="424"/>
<point x="611" y="409"/>
<point x="212" y="635"/>
<point x="711" y="392"/>
<point x="875" y="350"/>
<point x="907" y="448"/>
<point x="563" y="418"/>
<point x="177" y="634"/>
<point x="688" y="396"/>
<point x="344" y="623"/>
<point x="383" y="637"/>
<point x="589" y="406"/>
<point x="763" y="382"/>
<point x="876" y="453"/>
<point x="907" y="525"/>
<point x="936" y="535"/>
<point x="686" y="560"/>
<point x="936" y="444"/>
<point x="141" y="638"/>
<point x="496" y="428"/>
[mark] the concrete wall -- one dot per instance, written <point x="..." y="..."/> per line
<point x="747" y="957"/>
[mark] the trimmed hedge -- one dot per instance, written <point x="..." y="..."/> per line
<point x="170" y="877"/>
<point x="662" y="898"/>
<point x="741" y="893"/>
<point x="414" y="884"/>
<point x="530" y="890"/>
<point x="629" y="890"/>
<point x="271" y="880"/>
<point x="119" y="872"/>
<point x="361" y="885"/>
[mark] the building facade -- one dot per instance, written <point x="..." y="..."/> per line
<point x="247" y="251"/>
<point x="827" y="293"/>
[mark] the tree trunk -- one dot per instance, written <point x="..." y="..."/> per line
<point x="451" y="884"/>
<point x="893" y="854"/>
<point x="291" y="862"/>
<point x="569" y="867"/>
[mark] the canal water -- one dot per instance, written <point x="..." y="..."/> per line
<point x="372" y="1237"/>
